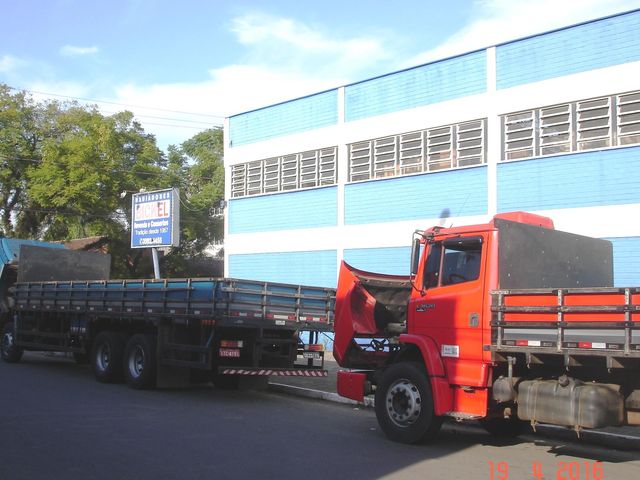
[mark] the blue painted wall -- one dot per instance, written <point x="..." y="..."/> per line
<point x="424" y="85"/>
<point x="284" y="211"/>
<point x="626" y="261"/>
<point x="316" y="268"/>
<point x="599" y="44"/>
<point x="606" y="177"/>
<point x="463" y="192"/>
<point x="296" y="116"/>
<point x="390" y="260"/>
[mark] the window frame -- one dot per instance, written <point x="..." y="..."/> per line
<point x="608" y="121"/>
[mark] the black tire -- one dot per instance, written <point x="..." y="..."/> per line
<point x="404" y="404"/>
<point x="140" y="361"/>
<point x="9" y="351"/>
<point x="106" y="357"/>
<point x="504" y="427"/>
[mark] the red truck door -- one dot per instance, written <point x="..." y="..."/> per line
<point x="449" y="310"/>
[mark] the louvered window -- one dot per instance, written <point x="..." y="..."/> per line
<point x="254" y="178"/>
<point x="290" y="172"/>
<point x="629" y="118"/>
<point x="360" y="161"/>
<point x="327" y="166"/>
<point x="555" y="129"/>
<point x="239" y="180"/>
<point x="384" y="161"/>
<point x="594" y="124"/>
<point x="440" y="148"/>
<point x="578" y="126"/>
<point x="518" y="135"/>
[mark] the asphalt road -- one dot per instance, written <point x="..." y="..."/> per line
<point x="57" y="422"/>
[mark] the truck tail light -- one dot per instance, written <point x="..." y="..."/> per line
<point x="314" y="347"/>
<point x="231" y="343"/>
<point x="592" y="345"/>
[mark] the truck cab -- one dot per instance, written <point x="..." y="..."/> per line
<point x="466" y="334"/>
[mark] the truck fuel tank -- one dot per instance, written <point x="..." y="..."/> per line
<point x="571" y="402"/>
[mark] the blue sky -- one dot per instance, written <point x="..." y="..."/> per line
<point x="184" y="66"/>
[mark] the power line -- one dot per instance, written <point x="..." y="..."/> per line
<point x="116" y="103"/>
<point x="170" y="119"/>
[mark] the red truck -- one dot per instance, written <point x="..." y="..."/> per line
<point x="509" y="322"/>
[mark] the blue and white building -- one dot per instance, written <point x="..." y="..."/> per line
<point x="547" y="124"/>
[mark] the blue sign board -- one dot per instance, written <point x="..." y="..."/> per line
<point x="155" y="219"/>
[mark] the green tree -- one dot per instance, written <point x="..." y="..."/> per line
<point x="64" y="167"/>
<point x="197" y="168"/>
<point x="83" y="172"/>
<point x="24" y="125"/>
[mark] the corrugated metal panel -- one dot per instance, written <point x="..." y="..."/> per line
<point x="432" y="83"/>
<point x="285" y="211"/>
<point x="606" y="177"/>
<point x="300" y="115"/>
<point x="626" y="261"/>
<point x="463" y="192"/>
<point x="318" y="268"/>
<point x="390" y="260"/>
<point x="599" y="44"/>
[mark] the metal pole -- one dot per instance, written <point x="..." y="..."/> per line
<point x="156" y="263"/>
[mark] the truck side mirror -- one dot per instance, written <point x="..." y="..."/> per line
<point x="415" y="256"/>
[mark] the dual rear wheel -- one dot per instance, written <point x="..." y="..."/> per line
<point x="114" y="358"/>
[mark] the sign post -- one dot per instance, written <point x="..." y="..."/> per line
<point x="155" y="222"/>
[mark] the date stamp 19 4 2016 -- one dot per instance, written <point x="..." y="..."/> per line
<point x="563" y="471"/>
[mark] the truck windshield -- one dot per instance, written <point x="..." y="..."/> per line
<point x="453" y="261"/>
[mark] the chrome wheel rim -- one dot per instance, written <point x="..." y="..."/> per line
<point x="136" y="361"/>
<point x="403" y="402"/>
<point x="103" y="356"/>
<point x="7" y="342"/>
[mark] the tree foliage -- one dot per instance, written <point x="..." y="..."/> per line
<point x="64" y="169"/>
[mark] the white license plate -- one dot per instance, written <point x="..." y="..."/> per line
<point x="313" y="355"/>
<point x="229" y="352"/>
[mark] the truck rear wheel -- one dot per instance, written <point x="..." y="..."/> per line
<point x="106" y="357"/>
<point x="140" y="361"/>
<point x="404" y="404"/>
<point x="10" y="352"/>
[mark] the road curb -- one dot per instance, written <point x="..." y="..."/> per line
<point x="317" y="394"/>
<point x="594" y="437"/>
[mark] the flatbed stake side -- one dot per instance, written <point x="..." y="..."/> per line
<point x="166" y="333"/>
<point x="510" y="323"/>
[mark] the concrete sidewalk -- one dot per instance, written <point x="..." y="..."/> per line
<point x="325" y="388"/>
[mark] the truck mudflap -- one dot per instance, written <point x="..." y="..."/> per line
<point x="271" y="372"/>
<point x="352" y="385"/>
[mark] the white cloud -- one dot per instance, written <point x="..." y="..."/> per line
<point x="75" y="51"/>
<point x="497" y="21"/>
<point x="285" y="59"/>
<point x="284" y="43"/>
<point x="9" y="63"/>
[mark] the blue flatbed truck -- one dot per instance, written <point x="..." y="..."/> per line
<point x="165" y="333"/>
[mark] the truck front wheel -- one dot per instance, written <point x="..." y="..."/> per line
<point x="404" y="404"/>
<point x="140" y="361"/>
<point x="10" y="352"/>
<point x="106" y="357"/>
